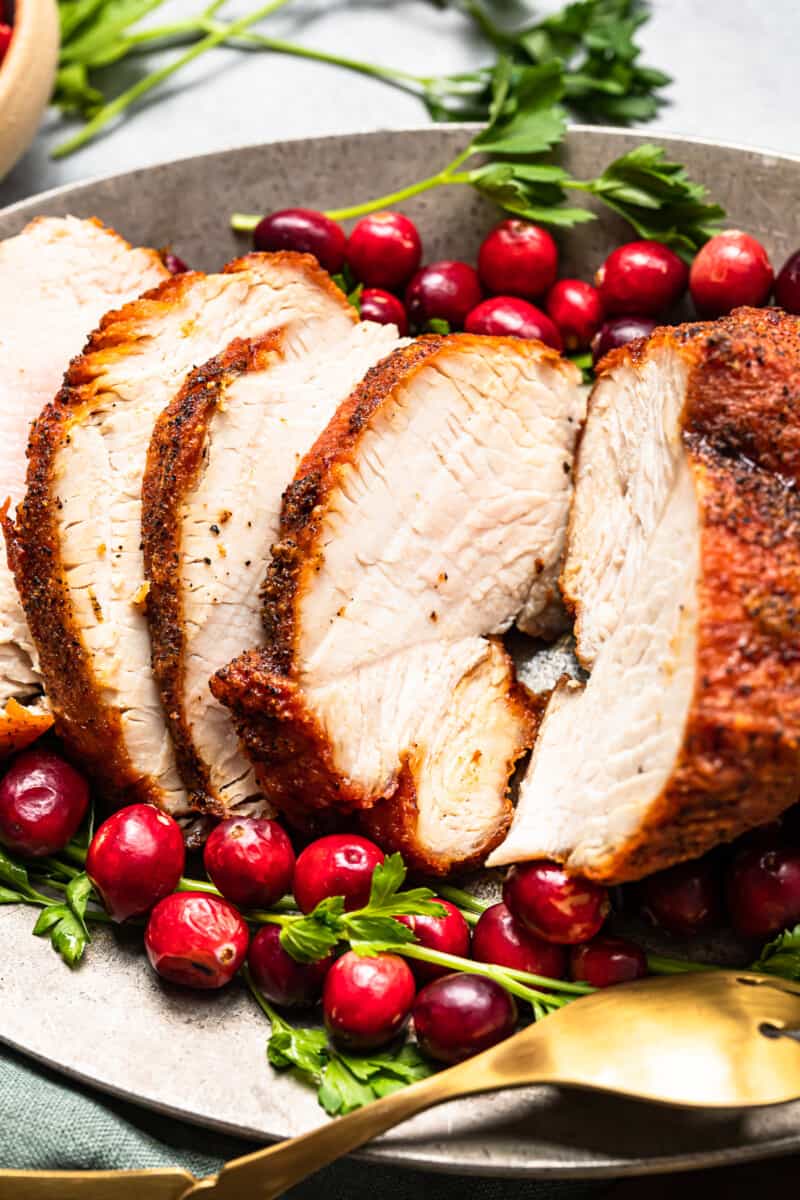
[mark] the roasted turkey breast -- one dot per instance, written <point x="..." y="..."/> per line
<point x="77" y="551"/>
<point x="683" y="569"/>
<point x="57" y="278"/>
<point x="220" y="457"/>
<point x="409" y="542"/>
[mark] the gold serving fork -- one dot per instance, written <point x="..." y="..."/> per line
<point x="714" y="1039"/>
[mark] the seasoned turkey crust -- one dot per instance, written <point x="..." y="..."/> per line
<point x="738" y="760"/>
<point x="294" y="754"/>
<point x="174" y="460"/>
<point x="92" y="727"/>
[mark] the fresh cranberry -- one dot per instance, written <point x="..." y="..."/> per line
<point x="518" y="259"/>
<point x="384" y="308"/>
<point x="366" y="1000"/>
<point x="731" y="269"/>
<point x="499" y="938"/>
<point x="606" y="961"/>
<point x="460" y="1015"/>
<point x="787" y="285"/>
<point x="763" y="890"/>
<point x="577" y="310"/>
<point x="384" y="250"/>
<point x="280" y="977"/>
<point x="5" y="40"/>
<point x="338" y="865"/>
<point x="641" y="277"/>
<point x="684" y="899"/>
<point x="135" y="859"/>
<point x="442" y="291"/>
<point x="196" y="939"/>
<point x="174" y="264"/>
<point x="613" y="334"/>
<point x="508" y="316"/>
<point x="42" y="803"/>
<point x="250" y="860"/>
<point x="554" y="905"/>
<point x="449" y="934"/>
<point x="304" y="230"/>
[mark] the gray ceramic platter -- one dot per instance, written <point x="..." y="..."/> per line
<point x="201" y="1057"/>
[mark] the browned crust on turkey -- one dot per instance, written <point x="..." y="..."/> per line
<point x="739" y="765"/>
<point x="90" y="728"/>
<point x="282" y="736"/>
<point x="174" y="460"/>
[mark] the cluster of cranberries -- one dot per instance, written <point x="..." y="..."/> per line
<point x="548" y="923"/>
<point x="517" y="266"/>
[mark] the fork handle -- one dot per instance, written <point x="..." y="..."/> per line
<point x="267" y="1174"/>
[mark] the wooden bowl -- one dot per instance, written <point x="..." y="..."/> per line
<point x="26" y="77"/>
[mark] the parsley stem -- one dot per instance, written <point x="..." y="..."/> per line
<point x="75" y="852"/>
<point x="661" y="965"/>
<point x="143" y="86"/>
<point x="513" y="981"/>
<point x="470" y="905"/>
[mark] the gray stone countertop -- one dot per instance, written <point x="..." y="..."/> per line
<point x="734" y="62"/>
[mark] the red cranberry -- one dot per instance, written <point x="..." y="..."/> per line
<point x="684" y="899"/>
<point x="304" y="230"/>
<point x="641" y="277"/>
<point x="196" y="939"/>
<point x="42" y="803"/>
<point x="384" y="308"/>
<point x="763" y="890"/>
<point x="613" y="334"/>
<point x="250" y="860"/>
<point x="448" y="934"/>
<point x="731" y="269"/>
<point x="366" y="1000"/>
<point x="498" y="938"/>
<point x="5" y="40"/>
<point x="174" y="264"/>
<point x="577" y="311"/>
<point x="787" y="285"/>
<point x="507" y="316"/>
<point x="136" y="858"/>
<point x="338" y="865"/>
<point x="384" y="250"/>
<point x="518" y="259"/>
<point x="606" y="961"/>
<point x="280" y="977"/>
<point x="442" y="291"/>
<point x="554" y="905"/>
<point x="460" y="1015"/>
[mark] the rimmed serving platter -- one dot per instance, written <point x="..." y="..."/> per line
<point x="200" y="1057"/>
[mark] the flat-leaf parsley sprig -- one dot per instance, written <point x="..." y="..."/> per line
<point x="516" y="171"/>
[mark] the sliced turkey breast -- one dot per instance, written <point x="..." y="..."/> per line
<point x="409" y="541"/>
<point x="77" y="548"/>
<point x="219" y="459"/>
<point x="683" y="567"/>
<point x="57" y="278"/>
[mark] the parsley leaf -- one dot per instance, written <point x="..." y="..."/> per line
<point x="781" y="956"/>
<point x="13" y="873"/>
<point x="64" y="922"/>
<point x="369" y="930"/>
<point x="658" y="198"/>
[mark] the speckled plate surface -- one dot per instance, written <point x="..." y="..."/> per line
<point x="201" y="1057"/>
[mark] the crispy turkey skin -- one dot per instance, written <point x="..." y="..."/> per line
<point x="409" y="542"/>
<point x="57" y="279"/>
<point x="683" y="570"/>
<point x="77" y="545"/>
<point x="219" y="459"/>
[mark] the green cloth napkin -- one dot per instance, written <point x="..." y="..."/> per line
<point x="48" y="1122"/>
